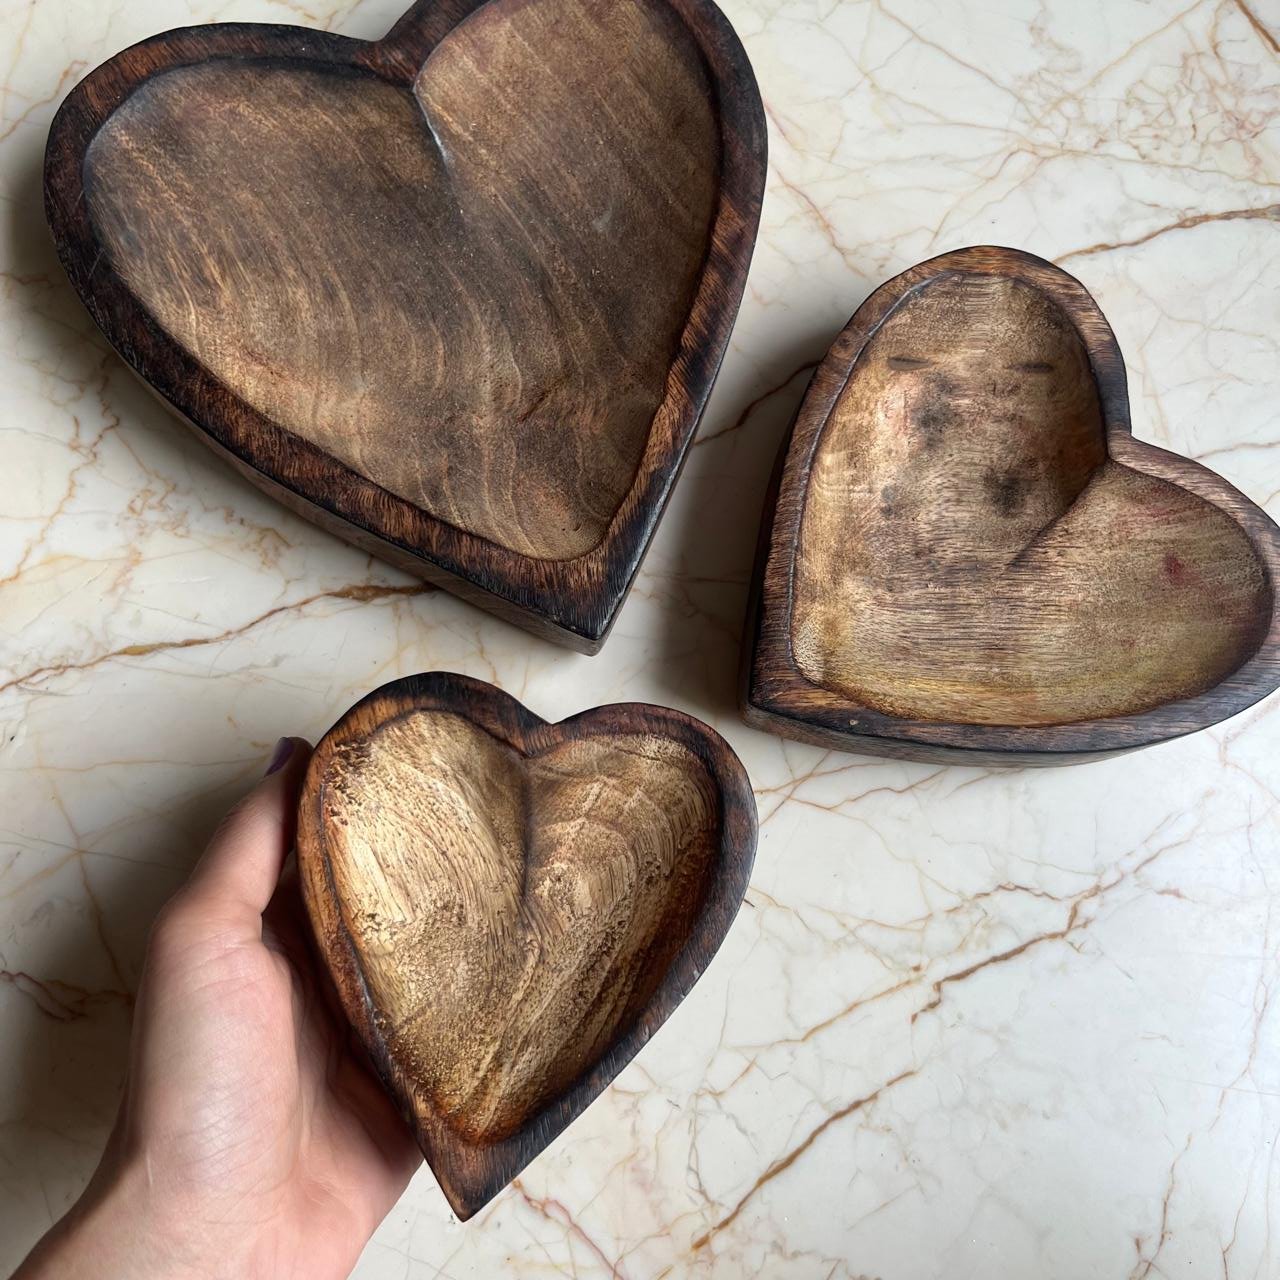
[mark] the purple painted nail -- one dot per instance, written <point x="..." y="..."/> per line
<point x="280" y="756"/>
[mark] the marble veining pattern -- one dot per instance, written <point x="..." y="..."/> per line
<point x="969" y="1024"/>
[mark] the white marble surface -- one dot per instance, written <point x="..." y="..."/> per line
<point x="969" y="1024"/>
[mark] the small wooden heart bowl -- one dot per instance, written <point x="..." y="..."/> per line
<point x="458" y="295"/>
<point x="509" y="909"/>
<point x="967" y="557"/>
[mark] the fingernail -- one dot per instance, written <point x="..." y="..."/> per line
<point x="280" y="756"/>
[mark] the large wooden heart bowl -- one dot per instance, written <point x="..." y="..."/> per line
<point x="968" y="557"/>
<point x="509" y="909"/>
<point x="458" y="295"/>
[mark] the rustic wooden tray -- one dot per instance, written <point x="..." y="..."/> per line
<point x="458" y="295"/>
<point x="967" y="556"/>
<point x="510" y="908"/>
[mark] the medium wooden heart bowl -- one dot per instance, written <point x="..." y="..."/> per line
<point x="968" y="557"/>
<point x="459" y="295"/>
<point x="510" y="909"/>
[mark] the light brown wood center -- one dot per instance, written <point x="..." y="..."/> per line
<point x="472" y="294"/>
<point x="511" y="915"/>
<point x="968" y="553"/>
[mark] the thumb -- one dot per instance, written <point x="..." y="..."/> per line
<point x="239" y="870"/>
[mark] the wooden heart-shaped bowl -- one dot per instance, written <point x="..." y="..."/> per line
<point x="969" y="557"/>
<point x="458" y="295"/>
<point x="509" y="909"/>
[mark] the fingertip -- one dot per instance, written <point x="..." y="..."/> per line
<point x="280" y="756"/>
<point x="277" y="792"/>
<point x="289" y="754"/>
<point x="242" y="863"/>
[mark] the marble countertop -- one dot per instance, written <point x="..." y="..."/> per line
<point x="969" y="1023"/>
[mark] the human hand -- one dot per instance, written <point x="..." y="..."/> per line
<point x="249" y="1142"/>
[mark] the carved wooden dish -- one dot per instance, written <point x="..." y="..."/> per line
<point x="969" y="557"/>
<point x="459" y="295"/>
<point x="510" y="908"/>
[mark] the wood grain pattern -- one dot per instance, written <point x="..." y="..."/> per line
<point x="460" y="294"/>
<point x="510" y="908"/>
<point x="970" y="556"/>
